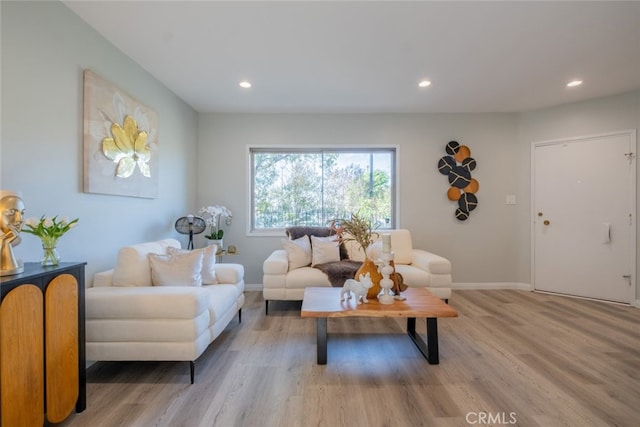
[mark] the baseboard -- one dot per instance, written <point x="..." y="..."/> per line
<point x="636" y="303"/>
<point x="253" y="287"/>
<point x="492" y="285"/>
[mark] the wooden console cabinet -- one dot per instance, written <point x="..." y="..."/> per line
<point x="42" y="345"/>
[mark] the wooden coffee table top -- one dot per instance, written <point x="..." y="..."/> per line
<point x="325" y="302"/>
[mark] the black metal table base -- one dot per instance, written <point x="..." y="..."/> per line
<point x="429" y="349"/>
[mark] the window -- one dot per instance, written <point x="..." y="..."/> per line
<point x="313" y="186"/>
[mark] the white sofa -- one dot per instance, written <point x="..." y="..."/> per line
<point x="418" y="267"/>
<point x="128" y="318"/>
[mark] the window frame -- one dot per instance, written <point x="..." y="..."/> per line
<point x="253" y="148"/>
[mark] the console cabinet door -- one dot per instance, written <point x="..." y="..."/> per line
<point x="61" y="351"/>
<point x="21" y="356"/>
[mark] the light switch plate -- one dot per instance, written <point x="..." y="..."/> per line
<point x="511" y="199"/>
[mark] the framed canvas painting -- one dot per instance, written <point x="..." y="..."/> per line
<point x="120" y="142"/>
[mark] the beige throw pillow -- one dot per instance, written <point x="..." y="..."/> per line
<point x="177" y="269"/>
<point x="298" y="252"/>
<point x="208" y="271"/>
<point x="324" y="250"/>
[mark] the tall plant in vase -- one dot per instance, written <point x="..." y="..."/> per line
<point x="213" y="215"/>
<point x="359" y="229"/>
<point x="49" y="230"/>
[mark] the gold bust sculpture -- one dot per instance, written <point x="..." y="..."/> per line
<point x="11" y="211"/>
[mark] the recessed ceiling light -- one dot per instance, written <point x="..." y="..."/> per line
<point x="244" y="84"/>
<point x="424" y="83"/>
<point x="574" y="83"/>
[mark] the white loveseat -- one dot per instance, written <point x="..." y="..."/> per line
<point x="129" y="318"/>
<point x="418" y="267"/>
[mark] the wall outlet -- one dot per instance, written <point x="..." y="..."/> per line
<point x="511" y="199"/>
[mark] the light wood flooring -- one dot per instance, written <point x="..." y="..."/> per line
<point x="511" y="358"/>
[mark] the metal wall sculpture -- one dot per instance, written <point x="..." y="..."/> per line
<point x="457" y="166"/>
<point x="120" y="141"/>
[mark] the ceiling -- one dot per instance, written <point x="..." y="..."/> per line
<point x="368" y="57"/>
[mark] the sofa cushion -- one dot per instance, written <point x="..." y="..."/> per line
<point x="153" y="330"/>
<point x="208" y="271"/>
<point x="132" y="267"/>
<point x="401" y="246"/>
<point x="177" y="269"/>
<point x="306" y="276"/>
<point x="298" y="252"/>
<point x="324" y="250"/>
<point x="146" y="302"/>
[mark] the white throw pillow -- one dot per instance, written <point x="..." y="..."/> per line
<point x="298" y="252"/>
<point x="177" y="269"/>
<point x="132" y="267"/>
<point x="324" y="250"/>
<point x="208" y="271"/>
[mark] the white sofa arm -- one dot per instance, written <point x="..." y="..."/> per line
<point x="427" y="261"/>
<point x="229" y="273"/>
<point x="103" y="279"/>
<point x="277" y="263"/>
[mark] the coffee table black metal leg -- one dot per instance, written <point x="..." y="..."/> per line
<point x="321" y="333"/>
<point x="429" y="349"/>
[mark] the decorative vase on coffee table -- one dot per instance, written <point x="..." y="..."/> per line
<point x="368" y="266"/>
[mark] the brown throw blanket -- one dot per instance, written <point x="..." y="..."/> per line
<point x="338" y="272"/>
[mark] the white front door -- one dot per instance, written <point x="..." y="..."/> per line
<point x="584" y="216"/>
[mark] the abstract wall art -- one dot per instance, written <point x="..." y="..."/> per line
<point x="457" y="165"/>
<point x="120" y="142"/>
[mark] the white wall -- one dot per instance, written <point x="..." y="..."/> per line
<point x="597" y="116"/>
<point x="492" y="247"/>
<point x="482" y="249"/>
<point x="45" y="48"/>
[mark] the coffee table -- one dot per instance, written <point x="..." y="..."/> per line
<point x="323" y="303"/>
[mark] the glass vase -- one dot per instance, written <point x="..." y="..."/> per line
<point x="49" y="253"/>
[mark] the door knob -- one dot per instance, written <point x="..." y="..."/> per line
<point x="546" y="222"/>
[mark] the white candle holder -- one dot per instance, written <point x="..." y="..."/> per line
<point x="386" y="283"/>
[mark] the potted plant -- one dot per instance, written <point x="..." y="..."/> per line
<point x="49" y="230"/>
<point x="213" y="215"/>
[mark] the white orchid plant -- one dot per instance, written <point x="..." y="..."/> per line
<point x="213" y="215"/>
